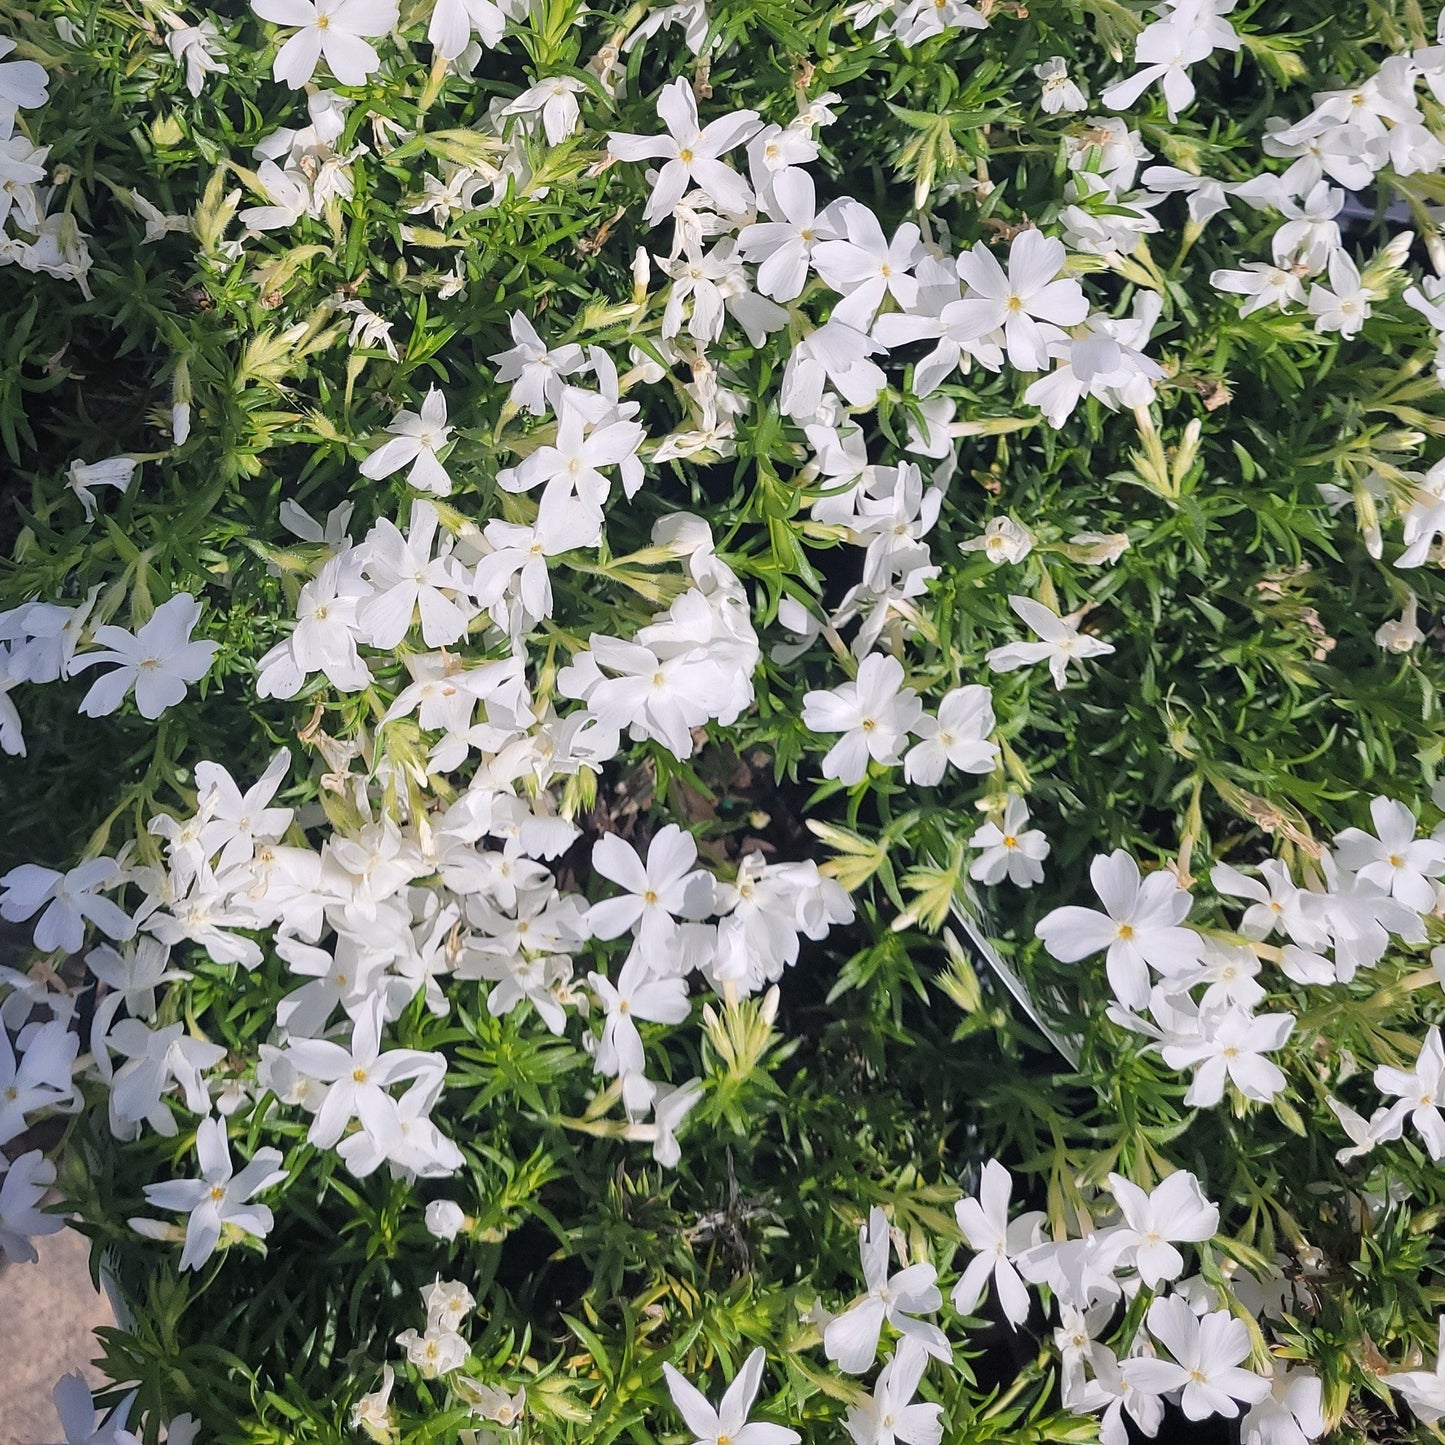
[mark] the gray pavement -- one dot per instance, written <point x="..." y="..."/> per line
<point x="47" y="1313"/>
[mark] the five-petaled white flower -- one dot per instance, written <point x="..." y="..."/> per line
<point x="1393" y="857"/>
<point x="1029" y="304"/>
<point x="69" y="899"/>
<point x="1420" y="1092"/>
<point x="1062" y="641"/>
<point x="1011" y="849"/>
<point x="359" y="1075"/>
<point x="690" y="153"/>
<point x="1231" y="1044"/>
<point x="220" y="1197"/>
<point x="416" y="439"/>
<point x="158" y="661"/>
<point x="330" y="30"/>
<point x="851" y="1338"/>
<point x="1176" y="1211"/>
<point x="1140" y="927"/>
<point x="958" y="735"/>
<point x="875" y="714"/>
<point x="667" y="887"/>
<point x="1205" y="1367"/>
<point x="729" y="1423"/>
<point x="986" y="1227"/>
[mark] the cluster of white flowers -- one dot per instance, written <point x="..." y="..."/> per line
<point x="401" y="894"/>
<point x="440" y="1351"/>
<point x="31" y="235"/>
<point x="38" y="643"/>
<point x="1192" y="1351"/>
<point x="434" y="854"/>
<point x="1366" y="890"/>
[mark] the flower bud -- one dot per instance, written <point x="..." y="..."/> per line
<point x="444" y="1219"/>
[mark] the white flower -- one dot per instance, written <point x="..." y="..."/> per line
<point x="671" y="1104"/>
<point x="1003" y="540"/>
<point x="415" y="440"/>
<point x="875" y="714"/>
<point x="41" y="1078"/>
<point x="23" y="1188"/>
<point x="1263" y="283"/>
<point x="958" y="736"/>
<point x="290" y="198"/>
<point x="535" y="371"/>
<point x="776" y="149"/>
<point x="367" y="329"/>
<point x="1292" y="1413"/>
<point x="219" y="1197"/>
<point x="113" y="472"/>
<point x="1344" y="305"/>
<point x="889" y="1414"/>
<point x="158" y="225"/>
<point x="448" y="1302"/>
<point x="444" y="1219"/>
<point x="329" y="30"/>
<point x="865" y="266"/>
<point x="784" y="245"/>
<point x="1176" y="1211"/>
<point x="637" y="994"/>
<point x="358" y="1075"/>
<point x="1395" y="859"/>
<point x="69" y="899"/>
<point x="665" y="889"/>
<point x="573" y="465"/>
<point x="556" y="100"/>
<point x="1029" y="304"/>
<point x="194" y="46"/>
<point x="1206" y="1360"/>
<point x="437" y="1352"/>
<point x="1364" y="1133"/>
<point x="690" y="153"/>
<point x="22" y="86"/>
<point x="1114" y="1394"/>
<point x="407" y="580"/>
<point x="454" y="21"/>
<point x="1060" y="92"/>
<point x="1011" y="849"/>
<point x="158" y="661"/>
<point x="83" y="1424"/>
<point x="1311" y="235"/>
<point x="836" y="353"/>
<point x="1403" y="633"/>
<point x="1424" y="1390"/>
<point x="986" y="1229"/>
<point x="1421" y="1092"/>
<point x="372" y="1412"/>
<point x="851" y="1338"/>
<point x="1277" y="903"/>
<point x="728" y="1424"/>
<point x="517" y="567"/>
<point x="1140" y="928"/>
<point x="1231" y="1043"/>
<point x="155" y="1058"/>
<point x="920" y="19"/>
<point x="1187" y="34"/>
<point x="1062" y="641"/>
<point x="651" y="696"/>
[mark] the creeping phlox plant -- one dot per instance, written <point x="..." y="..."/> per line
<point x="721" y="718"/>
